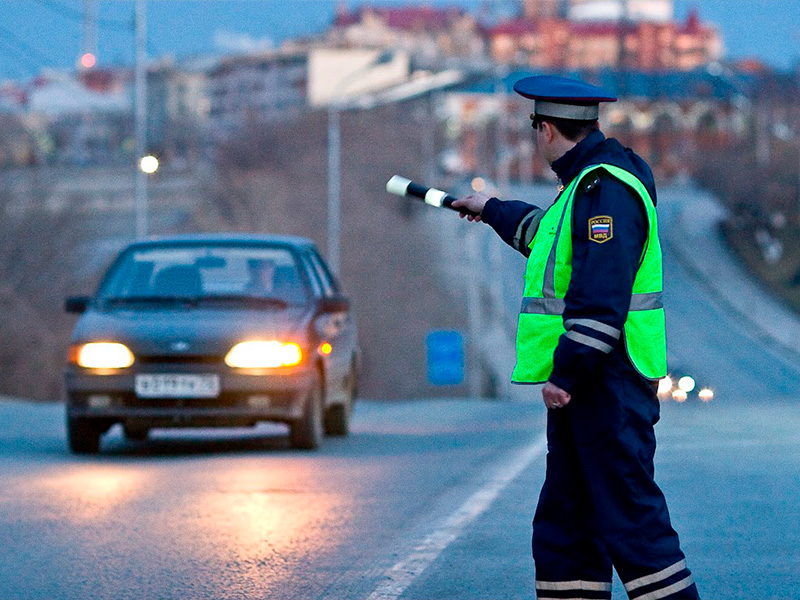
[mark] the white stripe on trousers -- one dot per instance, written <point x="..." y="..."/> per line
<point x="578" y="584"/>
<point x="655" y="577"/>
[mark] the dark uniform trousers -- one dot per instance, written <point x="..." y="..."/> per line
<point x="600" y="504"/>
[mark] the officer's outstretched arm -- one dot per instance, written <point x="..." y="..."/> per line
<point x="514" y="221"/>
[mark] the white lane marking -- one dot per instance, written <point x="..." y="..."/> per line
<point x="402" y="575"/>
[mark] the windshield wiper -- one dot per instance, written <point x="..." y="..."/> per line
<point x="252" y="300"/>
<point x="117" y="300"/>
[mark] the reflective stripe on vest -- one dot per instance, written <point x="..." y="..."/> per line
<point x="547" y="278"/>
<point x="555" y="306"/>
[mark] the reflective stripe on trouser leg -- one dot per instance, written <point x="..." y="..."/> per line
<point x="577" y="589"/>
<point x="674" y="581"/>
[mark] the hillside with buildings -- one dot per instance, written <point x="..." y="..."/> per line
<point x="242" y="142"/>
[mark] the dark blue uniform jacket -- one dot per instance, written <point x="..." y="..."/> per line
<point x="602" y="273"/>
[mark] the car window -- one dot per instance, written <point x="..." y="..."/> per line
<point x="208" y="271"/>
<point x="316" y="284"/>
<point x="322" y="272"/>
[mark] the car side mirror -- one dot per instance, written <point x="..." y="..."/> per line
<point x="77" y="304"/>
<point x="334" y="304"/>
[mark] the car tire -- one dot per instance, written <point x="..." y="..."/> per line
<point x="307" y="432"/>
<point x="136" y="433"/>
<point x="83" y="436"/>
<point x="337" y="417"/>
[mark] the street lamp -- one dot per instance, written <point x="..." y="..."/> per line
<point x="88" y="60"/>
<point x="149" y="164"/>
<point x="335" y="107"/>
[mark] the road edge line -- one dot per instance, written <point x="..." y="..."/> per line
<point x="400" y="577"/>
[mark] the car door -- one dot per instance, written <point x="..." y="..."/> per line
<point x="339" y="332"/>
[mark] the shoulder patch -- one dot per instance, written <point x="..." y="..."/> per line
<point x="601" y="229"/>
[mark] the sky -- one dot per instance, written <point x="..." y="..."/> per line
<point x="47" y="33"/>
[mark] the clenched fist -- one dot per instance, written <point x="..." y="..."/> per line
<point x="554" y="396"/>
<point x="473" y="203"/>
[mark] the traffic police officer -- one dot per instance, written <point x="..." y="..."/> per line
<point x="591" y="328"/>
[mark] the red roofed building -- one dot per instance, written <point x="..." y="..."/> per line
<point x="695" y="41"/>
<point x="556" y="43"/>
<point x="540" y="44"/>
<point x="424" y="32"/>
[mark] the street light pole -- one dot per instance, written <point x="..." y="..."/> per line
<point x="335" y="107"/>
<point x="334" y="184"/>
<point x="140" y="181"/>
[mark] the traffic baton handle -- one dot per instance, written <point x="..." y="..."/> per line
<point x="401" y="186"/>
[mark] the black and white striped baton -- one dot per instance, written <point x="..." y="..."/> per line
<point x="400" y="186"/>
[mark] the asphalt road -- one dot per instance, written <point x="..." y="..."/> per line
<point x="427" y="500"/>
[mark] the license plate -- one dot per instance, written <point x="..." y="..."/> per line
<point x="177" y="386"/>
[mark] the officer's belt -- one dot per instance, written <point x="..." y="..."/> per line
<point x="556" y="306"/>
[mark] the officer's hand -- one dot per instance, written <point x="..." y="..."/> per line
<point x="474" y="203"/>
<point x="554" y="396"/>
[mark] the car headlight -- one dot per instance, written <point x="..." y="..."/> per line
<point x="103" y="355"/>
<point x="263" y="355"/>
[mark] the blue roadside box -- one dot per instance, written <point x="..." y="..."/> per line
<point x="445" y="353"/>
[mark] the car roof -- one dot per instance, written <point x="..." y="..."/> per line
<point x="224" y="238"/>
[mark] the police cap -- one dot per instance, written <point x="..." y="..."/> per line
<point x="563" y="98"/>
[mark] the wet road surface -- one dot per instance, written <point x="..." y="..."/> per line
<point x="428" y="499"/>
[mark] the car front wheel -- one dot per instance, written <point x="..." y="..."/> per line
<point x="83" y="436"/>
<point x="306" y="433"/>
<point x="337" y="417"/>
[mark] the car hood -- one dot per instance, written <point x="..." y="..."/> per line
<point x="192" y="331"/>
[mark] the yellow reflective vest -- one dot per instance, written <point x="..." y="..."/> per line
<point x="548" y="276"/>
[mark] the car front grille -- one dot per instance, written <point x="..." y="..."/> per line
<point x="282" y="399"/>
<point x="225" y="400"/>
<point x="179" y="358"/>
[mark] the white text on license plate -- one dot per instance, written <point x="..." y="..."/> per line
<point x="177" y="386"/>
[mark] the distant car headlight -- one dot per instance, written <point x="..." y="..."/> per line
<point x="665" y="386"/>
<point x="679" y="395"/>
<point x="103" y="355"/>
<point x="687" y="384"/>
<point x="706" y="394"/>
<point x="263" y="355"/>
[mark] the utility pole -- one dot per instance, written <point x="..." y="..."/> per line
<point x="475" y="312"/>
<point x="624" y="27"/>
<point x="140" y="182"/>
<point x="89" y="41"/>
<point x="336" y="105"/>
<point x="334" y="185"/>
<point x="763" y="125"/>
<point x="429" y="140"/>
<point x="503" y="157"/>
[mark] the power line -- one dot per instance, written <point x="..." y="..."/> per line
<point x="26" y="48"/>
<point x="17" y="54"/>
<point x="76" y="15"/>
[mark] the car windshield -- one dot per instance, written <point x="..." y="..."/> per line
<point x="251" y="275"/>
